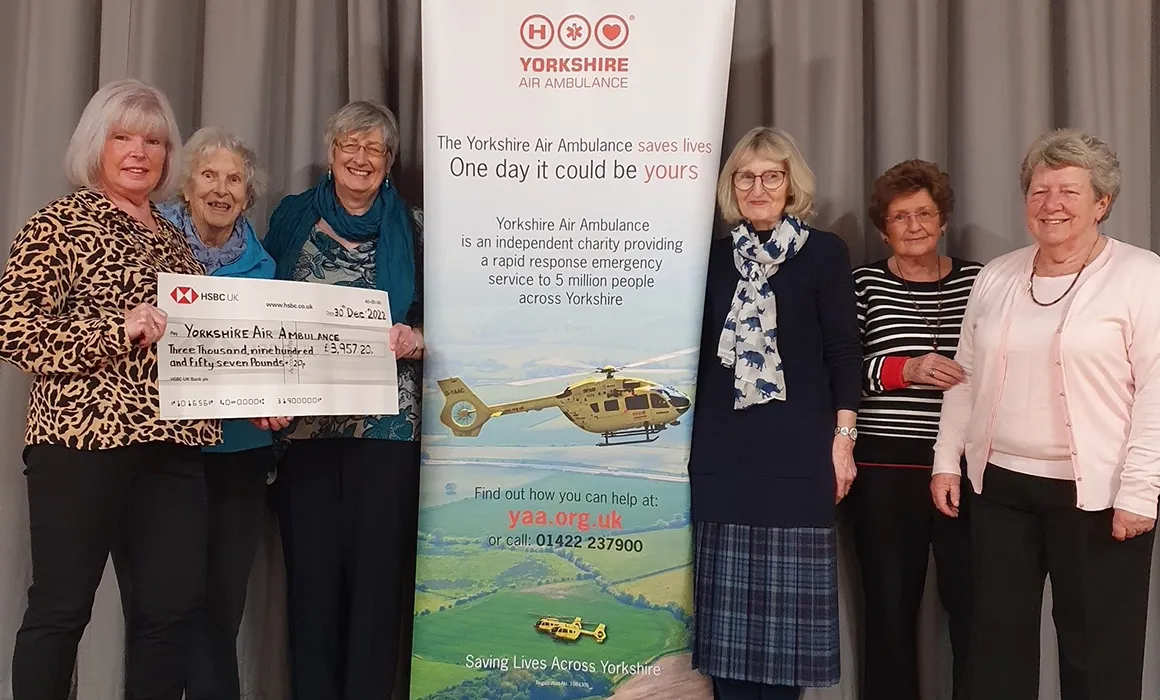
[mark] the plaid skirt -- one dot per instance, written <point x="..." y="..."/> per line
<point x="766" y="604"/>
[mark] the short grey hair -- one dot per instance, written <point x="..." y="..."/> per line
<point x="775" y="144"/>
<point x="364" y="115"/>
<point x="127" y="104"/>
<point x="208" y="139"/>
<point x="1064" y="148"/>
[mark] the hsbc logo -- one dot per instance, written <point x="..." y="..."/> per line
<point x="184" y="295"/>
<point x="188" y="295"/>
<point x="574" y="31"/>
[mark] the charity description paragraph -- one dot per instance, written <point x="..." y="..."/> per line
<point x="253" y="348"/>
<point x="573" y="261"/>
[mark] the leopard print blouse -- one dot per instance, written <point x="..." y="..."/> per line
<point x="74" y="270"/>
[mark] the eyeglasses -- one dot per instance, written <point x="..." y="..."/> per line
<point x="902" y="218"/>
<point x="770" y="179"/>
<point x="374" y="150"/>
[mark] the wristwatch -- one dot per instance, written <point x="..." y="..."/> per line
<point x="851" y="433"/>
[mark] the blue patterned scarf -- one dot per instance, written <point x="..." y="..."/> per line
<point x="211" y="258"/>
<point x="749" y="339"/>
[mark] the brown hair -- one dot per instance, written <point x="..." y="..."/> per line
<point x="906" y="178"/>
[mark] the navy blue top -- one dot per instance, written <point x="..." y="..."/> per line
<point x="770" y="465"/>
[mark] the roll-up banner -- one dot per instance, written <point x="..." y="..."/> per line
<point x="571" y="152"/>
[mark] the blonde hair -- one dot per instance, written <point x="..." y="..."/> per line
<point x="775" y="144"/>
<point x="1064" y="148"/>
<point x="208" y="139"/>
<point x="130" y="105"/>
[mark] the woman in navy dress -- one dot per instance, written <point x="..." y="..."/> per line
<point x="774" y="430"/>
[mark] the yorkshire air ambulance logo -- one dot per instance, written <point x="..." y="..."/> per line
<point x="573" y="32"/>
<point x="184" y="295"/>
<point x="574" y="51"/>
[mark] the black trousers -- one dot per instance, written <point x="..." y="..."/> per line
<point x="147" y="500"/>
<point x="895" y="528"/>
<point x="1025" y="528"/>
<point x="236" y="503"/>
<point x="348" y="512"/>
<point x="729" y="689"/>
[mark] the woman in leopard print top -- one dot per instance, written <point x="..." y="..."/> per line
<point x="77" y="312"/>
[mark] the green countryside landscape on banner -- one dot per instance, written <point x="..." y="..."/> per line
<point x="477" y="603"/>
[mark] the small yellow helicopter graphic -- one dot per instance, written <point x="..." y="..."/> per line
<point x="569" y="631"/>
<point x="621" y="410"/>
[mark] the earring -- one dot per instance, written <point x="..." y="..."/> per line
<point x="329" y="174"/>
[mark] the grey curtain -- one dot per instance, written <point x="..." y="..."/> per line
<point x="861" y="83"/>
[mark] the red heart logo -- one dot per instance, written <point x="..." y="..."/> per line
<point x="611" y="31"/>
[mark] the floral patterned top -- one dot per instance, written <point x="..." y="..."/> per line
<point x="325" y="260"/>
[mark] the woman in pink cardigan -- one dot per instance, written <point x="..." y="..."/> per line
<point x="1060" y="423"/>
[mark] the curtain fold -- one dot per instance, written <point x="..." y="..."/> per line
<point x="861" y="84"/>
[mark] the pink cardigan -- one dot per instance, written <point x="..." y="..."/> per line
<point x="1107" y="356"/>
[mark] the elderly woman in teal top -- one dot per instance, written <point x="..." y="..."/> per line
<point x="221" y="180"/>
<point x="347" y="488"/>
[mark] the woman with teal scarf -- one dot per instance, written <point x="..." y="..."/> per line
<point x="348" y="486"/>
<point x="221" y="181"/>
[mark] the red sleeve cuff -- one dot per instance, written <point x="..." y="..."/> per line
<point x="891" y="375"/>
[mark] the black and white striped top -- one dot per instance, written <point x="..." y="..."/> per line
<point x="892" y="326"/>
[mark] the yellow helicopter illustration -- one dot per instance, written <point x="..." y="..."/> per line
<point x="569" y="631"/>
<point x="622" y="410"/>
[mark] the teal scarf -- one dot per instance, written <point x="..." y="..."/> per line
<point x="388" y="220"/>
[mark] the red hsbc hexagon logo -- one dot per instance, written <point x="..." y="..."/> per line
<point x="184" y="295"/>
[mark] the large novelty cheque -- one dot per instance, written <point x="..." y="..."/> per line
<point x="248" y="348"/>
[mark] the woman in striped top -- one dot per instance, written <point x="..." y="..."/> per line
<point x="910" y="308"/>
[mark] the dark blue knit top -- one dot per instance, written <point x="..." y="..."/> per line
<point x="770" y="465"/>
